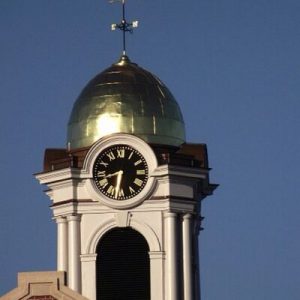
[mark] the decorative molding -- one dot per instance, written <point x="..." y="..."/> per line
<point x="144" y="229"/>
<point x="88" y="257"/>
<point x="179" y="171"/>
<point x="74" y="217"/>
<point x="157" y="255"/>
<point x="122" y="218"/>
<point x="59" y="175"/>
<point x="169" y="197"/>
<point x="72" y="201"/>
<point x="61" y="220"/>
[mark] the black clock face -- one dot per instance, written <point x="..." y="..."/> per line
<point x="120" y="172"/>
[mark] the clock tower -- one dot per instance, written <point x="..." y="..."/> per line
<point x="126" y="192"/>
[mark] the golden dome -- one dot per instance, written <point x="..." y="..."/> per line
<point x="126" y="99"/>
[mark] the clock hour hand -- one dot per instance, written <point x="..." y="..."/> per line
<point x="113" y="174"/>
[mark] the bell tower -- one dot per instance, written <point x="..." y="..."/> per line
<point x="126" y="192"/>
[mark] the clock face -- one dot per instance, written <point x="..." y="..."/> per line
<point x="120" y="172"/>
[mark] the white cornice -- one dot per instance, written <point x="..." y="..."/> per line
<point x="60" y="175"/>
<point x="169" y="170"/>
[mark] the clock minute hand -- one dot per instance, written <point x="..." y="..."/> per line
<point x="119" y="179"/>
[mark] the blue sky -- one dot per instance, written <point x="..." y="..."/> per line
<point x="234" y="69"/>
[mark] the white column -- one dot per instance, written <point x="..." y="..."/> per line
<point x="156" y="276"/>
<point x="171" y="256"/>
<point x="74" y="270"/>
<point x="187" y="257"/>
<point x="62" y="244"/>
<point x="88" y="264"/>
<point x="197" y="229"/>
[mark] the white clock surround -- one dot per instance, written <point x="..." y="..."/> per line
<point x="166" y="213"/>
<point x="112" y="140"/>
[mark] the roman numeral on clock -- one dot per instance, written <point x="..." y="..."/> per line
<point x="138" y="182"/>
<point x="121" y="193"/>
<point x="140" y="172"/>
<point x="111" y="190"/>
<point x="121" y="153"/>
<point x="103" y="183"/>
<point x="129" y="157"/>
<point x="138" y="162"/>
<point x="103" y="163"/>
<point x="111" y="156"/>
<point x="131" y="190"/>
<point x="101" y="173"/>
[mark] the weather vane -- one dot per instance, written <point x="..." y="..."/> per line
<point x="124" y="26"/>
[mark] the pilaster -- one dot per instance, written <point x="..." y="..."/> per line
<point x="74" y="269"/>
<point x="62" y="244"/>
<point x="156" y="276"/>
<point x="187" y="240"/>
<point x="171" y="256"/>
<point x="88" y="270"/>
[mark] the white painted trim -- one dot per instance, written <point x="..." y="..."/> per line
<point x="145" y="230"/>
<point x="169" y="170"/>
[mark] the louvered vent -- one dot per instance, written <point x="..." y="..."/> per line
<point x="123" y="267"/>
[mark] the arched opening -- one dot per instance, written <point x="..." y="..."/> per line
<point x="123" y="266"/>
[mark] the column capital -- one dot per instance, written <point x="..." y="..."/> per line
<point x="156" y="254"/>
<point x="187" y="216"/>
<point x="169" y="214"/>
<point x="88" y="257"/>
<point x="61" y="220"/>
<point x="74" y="217"/>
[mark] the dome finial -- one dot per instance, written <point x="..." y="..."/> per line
<point x="124" y="26"/>
<point x="124" y="59"/>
